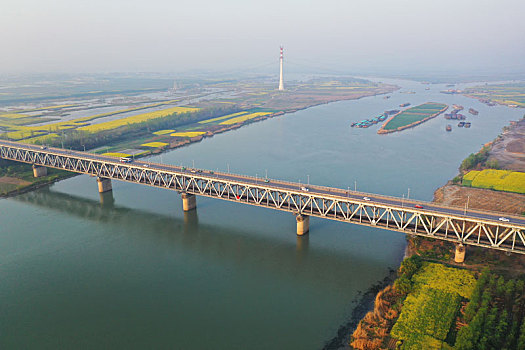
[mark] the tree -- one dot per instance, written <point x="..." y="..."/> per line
<point x="464" y="339"/>
<point x="521" y="338"/>
<point x="501" y="330"/>
<point x="403" y="285"/>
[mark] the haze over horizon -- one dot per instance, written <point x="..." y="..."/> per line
<point x="396" y="36"/>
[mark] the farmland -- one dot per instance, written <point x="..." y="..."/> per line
<point x="431" y="307"/>
<point x="114" y="124"/>
<point x="505" y="94"/>
<point x="188" y="133"/>
<point x="412" y="117"/>
<point x="150" y="119"/>
<point x="222" y="117"/>
<point x="499" y="180"/>
<point x="244" y="118"/>
<point x="155" y="144"/>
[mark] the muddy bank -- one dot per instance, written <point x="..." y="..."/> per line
<point x="509" y="148"/>
<point x="361" y="305"/>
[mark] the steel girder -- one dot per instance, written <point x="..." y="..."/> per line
<point x="454" y="228"/>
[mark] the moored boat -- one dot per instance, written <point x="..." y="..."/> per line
<point x="392" y="111"/>
<point x="467" y="125"/>
<point x="461" y="124"/>
<point x="473" y="111"/>
<point x="404" y="104"/>
<point x="448" y="128"/>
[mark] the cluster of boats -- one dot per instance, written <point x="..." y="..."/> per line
<point x="369" y="122"/>
<point x="455" y="115"/>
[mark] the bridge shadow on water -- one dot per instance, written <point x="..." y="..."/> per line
<point x="284" y="259"/>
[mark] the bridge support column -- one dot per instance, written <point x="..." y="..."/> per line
<point x="459" y="257"/>
<point x="39" y="171"/>
<point x="189" y="201"/>
<point x="104" y="184"/>
<point x="106" y="199"/>
<point x="303" y="224"/>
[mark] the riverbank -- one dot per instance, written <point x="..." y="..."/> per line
<point x="17" y="178"/>
<point x="136" y="140"/>
<point x="507" y="150"/>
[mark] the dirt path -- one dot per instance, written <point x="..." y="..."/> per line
<point x="13" y="181"/>
<point x="480" y="198"/>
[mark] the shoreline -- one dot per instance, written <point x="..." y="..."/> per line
<point x="187" y="142"/>
<point x="363" y="302"/>
<point x="452" y="194"/>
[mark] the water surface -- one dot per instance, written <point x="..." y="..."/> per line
<point x="135" y="271"/>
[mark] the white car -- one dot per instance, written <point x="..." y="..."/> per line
<point x="503" y="219"/>
<point x="366" y="199"/>
<point x="304" y="189"/>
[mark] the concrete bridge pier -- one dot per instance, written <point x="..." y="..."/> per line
<point x="106" y="199"/>
<point x="303" y="224"/>
<point x="459" y="257"/>
<point x="104" y="184"/>
<point x="39" y="171"/>
<point x="189" y="201"/>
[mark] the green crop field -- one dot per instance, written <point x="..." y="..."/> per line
<point x="499" y="180"/>
<point x="413" y="115"/>
<point x="506" y="94"/>
<point x="430" y="309"/>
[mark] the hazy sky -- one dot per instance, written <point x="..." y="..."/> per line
<point x="178" y="35"/>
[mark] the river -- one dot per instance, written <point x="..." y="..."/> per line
<point x="137" y="272"/>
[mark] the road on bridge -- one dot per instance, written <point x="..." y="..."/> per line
<point x="341" y="194"/>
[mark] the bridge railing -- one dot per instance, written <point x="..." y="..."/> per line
<point x="336" y="192"/>
<point x="341" y="193"/>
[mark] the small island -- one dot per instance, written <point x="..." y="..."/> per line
<point x="412" y="116"/>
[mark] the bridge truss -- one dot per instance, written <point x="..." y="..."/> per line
<point x="465" y="229"/>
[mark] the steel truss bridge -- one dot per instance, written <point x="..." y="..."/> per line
<point x="472" y="227"/>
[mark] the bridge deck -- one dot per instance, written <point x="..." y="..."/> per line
<point x="432" y="220"/>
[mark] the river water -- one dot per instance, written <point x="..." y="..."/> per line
<point x="137" y="272"/>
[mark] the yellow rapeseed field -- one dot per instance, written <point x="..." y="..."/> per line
<point x="221" y="118"/>
<point x="21" y="132"/>
<point x="500" y="180"/>
<point x="188" y="133"/>
<point x="244" y="118"/>
<point x="116" y="154"/>
<point x="155" y="144"/>
<point x="12" y="116"/>
<point x="135" y="119"/>
<point x="163" y="132"/>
